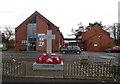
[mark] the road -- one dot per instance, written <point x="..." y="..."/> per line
<point x="93" y="56"/>
<point x="19" y="79"/>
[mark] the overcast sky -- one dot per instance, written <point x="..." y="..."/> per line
<point x="65" y="14"/>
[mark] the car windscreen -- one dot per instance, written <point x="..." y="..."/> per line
<point x="115" y="48"/>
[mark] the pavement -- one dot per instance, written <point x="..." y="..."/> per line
<point x="41" y="73"/>
<point x="42" y="79"/>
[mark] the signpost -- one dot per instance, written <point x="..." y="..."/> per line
<point x="41" y="39"/>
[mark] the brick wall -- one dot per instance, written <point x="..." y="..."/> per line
<point x="42" y="25"/>
<point x="97" y="39"/>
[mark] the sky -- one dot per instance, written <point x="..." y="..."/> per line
<point x="65" y="14"/>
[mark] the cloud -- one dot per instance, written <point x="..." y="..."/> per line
<point x="65" y="14"/>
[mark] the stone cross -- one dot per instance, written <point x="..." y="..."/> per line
<point x="49" y="38"/>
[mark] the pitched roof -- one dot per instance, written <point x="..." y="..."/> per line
<point x="39" y="15"/>
<point x="103" y="31"/>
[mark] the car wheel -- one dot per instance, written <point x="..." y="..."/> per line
<point x="78" y="52"/>
<point x="109" y="51"/>
<point x="63" y="52"/>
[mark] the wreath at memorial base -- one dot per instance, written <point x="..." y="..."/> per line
<point x="47" y="59"/>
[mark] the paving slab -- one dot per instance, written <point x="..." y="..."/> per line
<point x="45" y="73"/>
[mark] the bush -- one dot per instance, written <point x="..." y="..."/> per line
<point x="85" y="61"/>
<point x="11" y="60"/>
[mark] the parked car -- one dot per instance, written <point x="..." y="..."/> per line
<point x="113" y="49"/>
<point x="71" y="49"/>
<point x="3" y="46"/>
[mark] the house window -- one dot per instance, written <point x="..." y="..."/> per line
<point x="31" y="30"/>
<point x="24" y="42"/>
<point x="32" y="21"/>
<point x="32" y="39"/>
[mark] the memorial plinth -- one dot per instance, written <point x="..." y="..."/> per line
<point x="49" y="60"/>
<point x="37" y="66"/>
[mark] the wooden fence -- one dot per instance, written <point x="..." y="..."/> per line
<point x="91" y="71"/>
<point x="13" y="69"/>
<point x="75" y="70"/>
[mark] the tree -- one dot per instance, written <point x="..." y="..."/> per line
<point x="93" y="24"/>
<point x="7" y="34"/>
<point x="114" y="30"/>
<point x="78" y="32"/>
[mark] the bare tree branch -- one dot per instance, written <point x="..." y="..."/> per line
<point x="7" y="34"/>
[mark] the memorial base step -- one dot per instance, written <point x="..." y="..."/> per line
<point x="37" y="66"/>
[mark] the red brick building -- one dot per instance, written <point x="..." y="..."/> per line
<point x="29" y="34"/>
<point x="97" y="39"/>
